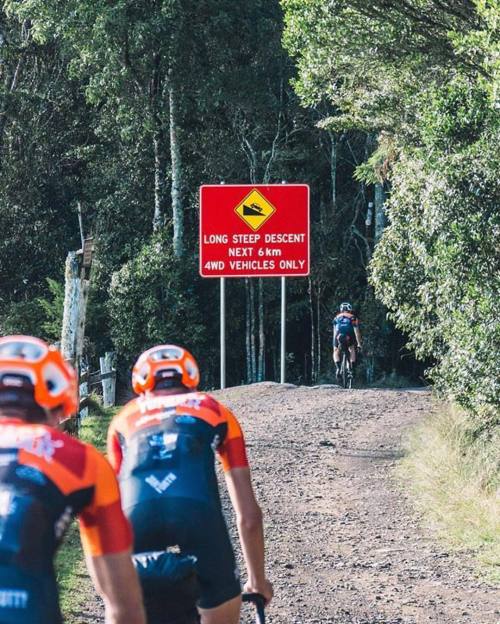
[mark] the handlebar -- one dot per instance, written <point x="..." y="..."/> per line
<point x="259" y="601"/>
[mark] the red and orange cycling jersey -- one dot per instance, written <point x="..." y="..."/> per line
<point x="50" y="472"/>
<point x="151" y="410"/>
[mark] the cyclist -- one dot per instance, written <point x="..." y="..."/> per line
<point x="346" y="333"/>
<point x="162" y="446"/>
<point x="46" y="478"/>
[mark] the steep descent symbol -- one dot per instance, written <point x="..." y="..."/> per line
<point x="255" y="210"/>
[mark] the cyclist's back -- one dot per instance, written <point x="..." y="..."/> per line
<point x="178" y="433"/>
<point x="345" y="322"/>
<point x="163" y="448"/>
<point x="346" y="334"/>
<point x="47" y="477"/>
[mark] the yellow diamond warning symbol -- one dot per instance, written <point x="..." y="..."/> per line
<point x="255" y="210"/>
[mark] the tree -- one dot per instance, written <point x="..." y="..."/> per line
<point x="423" y="76"/>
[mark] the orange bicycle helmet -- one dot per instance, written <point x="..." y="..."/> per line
<point x="30" y="364"/>
<point x="168" y="365"/>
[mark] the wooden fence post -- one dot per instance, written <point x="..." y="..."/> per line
<point x="109" y="383"/>
<point x="72" y="290"/>
<point x="84" y="393"/>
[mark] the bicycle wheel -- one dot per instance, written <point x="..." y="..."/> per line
<point x="343" y="370"/>
<point x="349" y="379"/>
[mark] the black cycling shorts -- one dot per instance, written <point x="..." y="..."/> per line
<point x="347" y="340"/>
<point x="27" y="599"/>
<point x="198" y="529"/>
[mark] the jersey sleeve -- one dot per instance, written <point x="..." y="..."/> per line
<point x="104" y="529"/>
<point x="114" y="448"/>
<point x="232" y="451"/>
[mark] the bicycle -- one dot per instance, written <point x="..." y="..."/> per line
<point x="170" y="586"/>
<point x="346" y="374"/>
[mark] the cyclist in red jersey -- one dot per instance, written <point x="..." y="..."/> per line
<point x="162" y="446"/>
<point x="46" y="478"/>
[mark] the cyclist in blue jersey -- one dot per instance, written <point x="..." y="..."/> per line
<point x="162" y="444"/>
<point x="346" y="333"/>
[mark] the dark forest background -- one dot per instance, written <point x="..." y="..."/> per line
<point x="388" y="110"/>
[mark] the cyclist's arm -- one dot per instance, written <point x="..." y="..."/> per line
<point x="115" y="580"/>
<point x="232" y="453"/>
<point x="250" y="529"/>
<point x="357" y="333"/>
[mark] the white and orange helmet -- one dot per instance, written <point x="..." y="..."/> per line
<point x="169" y="364"/>
<point x="30" y="364"/>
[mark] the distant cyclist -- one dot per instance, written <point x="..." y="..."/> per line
<point x="346" y="334"/>
<point x="46" y="478"/>
<point x="162" y="445"/>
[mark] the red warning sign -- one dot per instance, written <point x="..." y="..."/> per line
<point x="254" y="231"/>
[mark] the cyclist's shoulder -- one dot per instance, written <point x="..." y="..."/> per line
<point x="351" y="316"/>
<point x="40" y="439"/>
<point x="206" y="403"/>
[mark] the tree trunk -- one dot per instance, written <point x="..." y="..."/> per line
<point x="333" y="168"/>
<point x="379" y="211"/>
<point x="10" y="85"/>
<point x="176" y="163"/>
<point x="262" y="338"/>
<point x="318" y="333"/>
<point x="159" y="212"/>
<point x="72" y="294"/>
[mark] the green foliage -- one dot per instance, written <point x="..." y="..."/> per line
<point x="21" y="317"/>
<point x="454" y="115"/>
<point x="423" y="74"/>
<point x="438" y="268"/>
<point x="53" y="310"/>
<point x="153" y="300"/>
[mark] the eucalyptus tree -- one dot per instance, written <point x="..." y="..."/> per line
<point x="40" y="169"/>
<point x="423" y="76"/>
<point x="135" y="60"/>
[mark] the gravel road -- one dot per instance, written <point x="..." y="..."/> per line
<point x="343" y="545"/>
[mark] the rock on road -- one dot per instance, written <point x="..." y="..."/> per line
<point x="343" y="545"/>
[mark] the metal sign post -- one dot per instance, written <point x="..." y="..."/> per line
<point x="222" y="333"/>
<point x="283" y="329"/>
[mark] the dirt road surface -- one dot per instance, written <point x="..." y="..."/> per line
<point x="343" y="543"/>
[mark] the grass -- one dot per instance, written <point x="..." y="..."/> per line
<point x="74" y="583"/>
<point x="454" y="480"/>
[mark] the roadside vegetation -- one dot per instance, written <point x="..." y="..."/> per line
<point x="423" y="78"/>
<point x="453" y="476"/>
<point x="72" y="576"/>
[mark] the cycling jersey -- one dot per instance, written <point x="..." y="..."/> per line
<point x="46" y="478"/>
<point x="162" y="447"/>
<point x="345" y="322"/>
